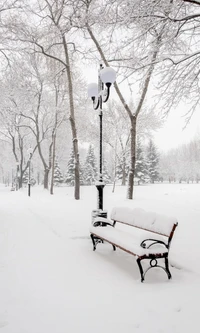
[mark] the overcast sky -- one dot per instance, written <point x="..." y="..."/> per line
<point x="173" y="132"/>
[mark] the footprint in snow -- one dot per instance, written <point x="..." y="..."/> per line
<point x="178" y="309"/>
<point x="3" y="323"/>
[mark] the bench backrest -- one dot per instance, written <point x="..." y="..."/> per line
<point x="150" y="221"/>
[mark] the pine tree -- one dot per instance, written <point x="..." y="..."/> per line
<point x="152" y="162"/>
<point x="58" y="177"/>
<point x="90" y="168"/>
<point x="69" y="175"/>
<point x="122" y="170"/>
<point x="106" y="175"/>
<point x="81" y="174"/>
<point x="25" y="177"/>
<point x="141" y="175"/>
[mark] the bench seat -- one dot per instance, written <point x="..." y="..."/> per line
<point x="126" y="241"/>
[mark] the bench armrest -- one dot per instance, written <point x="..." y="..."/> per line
<point x="145" y="242"/>
<point x="102" y="221"/>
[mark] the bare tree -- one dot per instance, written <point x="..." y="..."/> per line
<point x="53" y="38"/>
<point x="156" y="39"/>
<point x="59" y="21"/>
<point x="18" y="138"/>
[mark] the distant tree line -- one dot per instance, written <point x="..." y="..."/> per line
<point x="147" y="165"/>
<point x="177" y="165"/>
<point x="181" y="164"/>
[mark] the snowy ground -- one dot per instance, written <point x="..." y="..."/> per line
<point x="52" y="282"/>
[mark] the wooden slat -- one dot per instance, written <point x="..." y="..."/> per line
<point x="124" y="249"/>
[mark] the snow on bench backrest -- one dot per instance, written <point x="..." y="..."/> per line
<point x="145" y="220"/>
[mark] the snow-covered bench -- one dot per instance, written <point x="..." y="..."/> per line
<point x="149" y="240"/>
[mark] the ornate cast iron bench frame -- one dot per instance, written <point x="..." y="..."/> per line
<point x="145" y="244"/>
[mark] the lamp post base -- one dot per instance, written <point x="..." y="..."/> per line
<point x="98" y="213"/>
<point x="100" y="186"/>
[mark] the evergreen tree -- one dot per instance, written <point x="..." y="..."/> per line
<point x="90" y="168"/>
<point x="81" y="174"/>
<point x="25" y="177"/>
<point x="152" y="162"/>
<point x="106" y="175"/>
<point x="122" y="170"/>
<point x="58" y="176"/>
<point x="141" y="174"/>
<point x="70" y="176"/>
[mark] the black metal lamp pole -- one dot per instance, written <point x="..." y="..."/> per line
<point x="100" y="185"/>
<point x="99" y="95"/>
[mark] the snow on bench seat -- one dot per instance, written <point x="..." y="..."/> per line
<point x="125" y="240"/>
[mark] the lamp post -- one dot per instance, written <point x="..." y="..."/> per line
<point x="30" y="154"/>
<point x="99" y="93"/>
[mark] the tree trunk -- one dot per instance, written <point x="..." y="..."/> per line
<point x="19" y="182"/>
<point x="113" y="189"/>
<point x="53" y="163"/>
<point x="115" y="168"/>
<point x="132" y="159"/>
<point x="46" y="168"/>
<point x="38" y="178"/>
<point x="73" y="124"/>
<point x="46" y="178"/>
<point x="20" y="176"/>
<point x="124" y="171"/>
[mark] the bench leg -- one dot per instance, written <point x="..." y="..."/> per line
<point x="153" y="263"/>
<point x="141" y="269"/>
<point x="93" y="241"/>
<point x="167" y="268"/>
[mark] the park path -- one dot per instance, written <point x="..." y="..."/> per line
<point x="32" y="275"/>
